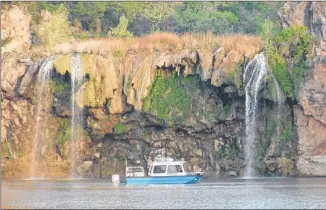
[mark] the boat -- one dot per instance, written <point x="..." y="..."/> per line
<point x="163" y="171"/>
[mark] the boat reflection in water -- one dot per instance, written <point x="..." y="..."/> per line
<point x="162" y="171"/>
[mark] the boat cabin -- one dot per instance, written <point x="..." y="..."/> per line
<point x="167" y="168"/>
<point x="161" y="167"/>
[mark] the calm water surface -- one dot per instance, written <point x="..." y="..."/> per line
<point x="224" y="193"/>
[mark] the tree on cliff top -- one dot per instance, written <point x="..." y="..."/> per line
<point x="121" y="29"/>
<point x="156" y="12"/>
<point x="88" y="13"/>
<point x="55" y="30"/>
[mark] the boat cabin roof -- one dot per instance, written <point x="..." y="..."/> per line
<point x="168" y="163"/>
<point x="135" y="168"/>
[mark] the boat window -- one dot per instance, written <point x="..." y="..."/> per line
<point x="174" y="169"/>
<point x="159" y="169"/>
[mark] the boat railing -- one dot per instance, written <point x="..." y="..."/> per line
<point x="168" y="159"/>
<point x="135" y="171"/>
<point x="199" y="173"/>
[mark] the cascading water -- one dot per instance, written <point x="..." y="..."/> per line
<point x="254" y="78"/>
<point x="252" y="88"/>
<point x="77" y="79"/>
<point x="42" y="82"/>
<point x="280" y="100"/>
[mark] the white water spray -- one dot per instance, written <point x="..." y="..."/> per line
<point x="77" y="79"/>
<point x="252" y="88"/>
<point x="39" y="137"/>
<point x="255" y="77"/>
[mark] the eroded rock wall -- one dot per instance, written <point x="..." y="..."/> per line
<point x="311" y="112"/>
<point x="206" y="127"/>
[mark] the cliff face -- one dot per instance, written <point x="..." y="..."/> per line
<point x="184" y="94"/>
<point x="311" y="112"/>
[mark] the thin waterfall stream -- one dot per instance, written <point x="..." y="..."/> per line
<point x="255" y="78"/>
<point x="77" y="79"/>
<point x="39" y="137"/>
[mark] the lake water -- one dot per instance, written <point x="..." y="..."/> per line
<point x="260" y="193"/>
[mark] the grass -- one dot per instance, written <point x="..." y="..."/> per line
<point x="243" y="44"/>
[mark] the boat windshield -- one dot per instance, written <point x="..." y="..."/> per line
<point x="175" y="169"/>
<point x="159" y="169"/>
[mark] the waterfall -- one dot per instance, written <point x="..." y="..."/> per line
<point x="77" y="79"/>
<point x="39" y="137"/>
<point x="255" y="77"/>
<point x="280" y="100"/>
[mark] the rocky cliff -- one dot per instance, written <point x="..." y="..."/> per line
<point x="311" y="110"/>
<point x="181" y="94"/>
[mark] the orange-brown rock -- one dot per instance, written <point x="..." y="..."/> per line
<point x="311" y="118"/>
<point x="15" y="34"/>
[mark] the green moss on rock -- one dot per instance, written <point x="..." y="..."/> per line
<point x="63" y="133"/>
<point x="62" y="63"/>
<point x="167" y="99"/>
<point x="120" y="128"/>
<point x="57" y="87"/>
<point x="88" y="62"/>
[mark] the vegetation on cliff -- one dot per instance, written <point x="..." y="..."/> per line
<point x="120" y="128"/>
<point x="97" y="19"/>
<point x="56" y="29"/>
<point x="287" y="51"/>
<point x="167" y="100"/>
<point x="121" y="29"/>
<point x="63" y="134"/>
<point x="105" y="60"/>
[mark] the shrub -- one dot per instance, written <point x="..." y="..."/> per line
<point x="34" y="9"/>
<point x="55" y="30"/>
<point x="293" y="43"/>
<point x="121" y="29"/>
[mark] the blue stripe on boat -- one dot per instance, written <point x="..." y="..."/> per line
<point x="163" y="180"/>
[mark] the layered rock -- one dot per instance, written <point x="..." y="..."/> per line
<point x="131" y="71"/>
